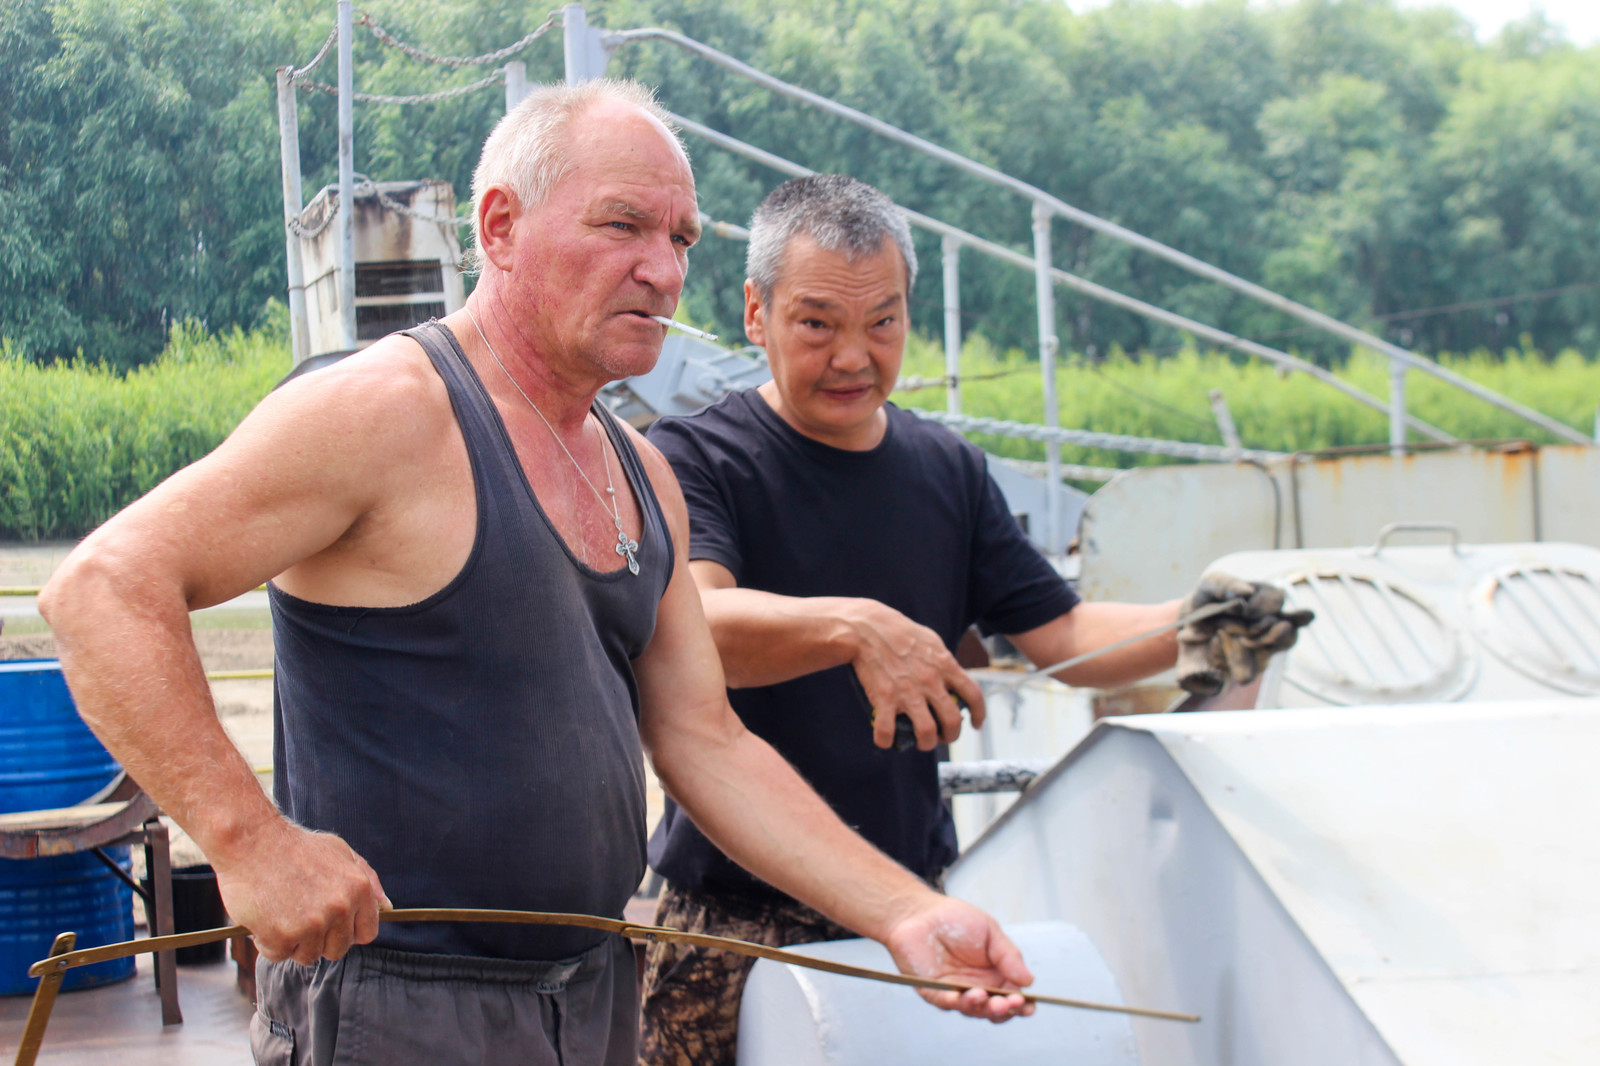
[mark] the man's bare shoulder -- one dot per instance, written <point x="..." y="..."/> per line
<point x="386" y="394"/>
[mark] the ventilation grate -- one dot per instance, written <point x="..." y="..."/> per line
<point x="1545" y="622"/>
<point x="1373" y="642"/>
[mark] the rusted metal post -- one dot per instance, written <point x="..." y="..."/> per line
<point x="951" y="247"/>
<point x="158" y="862"/>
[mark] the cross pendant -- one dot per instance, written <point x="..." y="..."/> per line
<point x="626" y="548"/>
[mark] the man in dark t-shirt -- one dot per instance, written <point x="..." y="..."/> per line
<point x="842" y="547"/>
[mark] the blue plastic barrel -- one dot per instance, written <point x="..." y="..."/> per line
<point x="48" y="758"/>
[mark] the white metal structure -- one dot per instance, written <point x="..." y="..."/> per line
<point x="1326" y="887"/>
<point x="798" y="1017"/>
<point x="407" y="267"/>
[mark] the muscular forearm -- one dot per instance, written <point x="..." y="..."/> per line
<point x="755" y="807"/>
<point x="765" y="639"/>
<point x="1095" y="625"/>
<point x="127" y="652"/>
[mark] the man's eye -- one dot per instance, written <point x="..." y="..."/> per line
<point x="625" y="226"/>
<point x="889" y="321"/>
<point x="813" y="323"/>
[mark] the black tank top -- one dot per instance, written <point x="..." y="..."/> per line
<point x="481" y="748"/>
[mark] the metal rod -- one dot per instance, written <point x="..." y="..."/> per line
<point x="347" y="180"/>
<point x="1515" y="597"/>
<point x="1397" y="407"/>
<point x="293" y="204"/>
<point x="1577" y="638"/>
<point x="1372" y="624"/>
<point x="1100" y="225"/>
<point x="1088" y="288"/>
<point x="1200" y="615"/>
<point x="1045" y="297"/>
<point x="950" y="248"/>
<point x="1224" y="417"/>
<point x="1393" y="602"/>
<point x="122" y="875"/>
<point x="1338" y="626"/>
<point x="62" y="958"/>
<point x="44" y="1001"/>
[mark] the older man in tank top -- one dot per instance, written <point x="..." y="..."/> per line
<point x="483" y="610"/>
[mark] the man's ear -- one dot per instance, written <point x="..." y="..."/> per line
<point x="497" y="215"/>
<point x="755" y="327"/>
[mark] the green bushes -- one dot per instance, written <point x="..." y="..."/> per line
<point x="1169" y="398"/>
<point x="78" y="442"/>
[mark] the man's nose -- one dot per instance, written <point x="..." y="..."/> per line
<point x="850" y="354"/>
<point x="661" y="267"/>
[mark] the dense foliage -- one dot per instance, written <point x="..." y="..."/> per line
<point x="78" y="442"/>
<point x="1369" y="161"/>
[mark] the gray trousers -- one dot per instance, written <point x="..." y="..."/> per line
<point x="377" y="1007"/>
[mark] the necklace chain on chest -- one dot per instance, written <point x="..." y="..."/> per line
<point x="625" y="546"/>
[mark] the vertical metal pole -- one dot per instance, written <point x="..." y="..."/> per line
<point x="347" y="178"/>
<point x="1224" y="417"/>
<point x="1397" y="407"/>
<point x="1044" y="288"/>
<point x="582" y="46"/>
<point x="516" y="84"/>
<point x="289" y="151"/>
<point x="952" y="323"/>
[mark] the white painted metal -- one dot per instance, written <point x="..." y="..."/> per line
<point x="1397" y="406"/>
<point x="584" y="46"/>
<point x="791" y="1016"/>
<point x="382" y="236"/>
<point x="1333" y="886"/>
<point x="516" y="83"/>
<point x="950" y="248"/>
<point x="1224" y="417"/>
<point x="289" y="158"/>
<point x="1041" y="719"/>
<point x="1054" y="539"/>
<point x="1435" y="623"/>
<point x="347" y="182"/>
<point x="1149" y="534"/>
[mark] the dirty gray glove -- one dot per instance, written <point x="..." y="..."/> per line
<point x="1236" y="644"/>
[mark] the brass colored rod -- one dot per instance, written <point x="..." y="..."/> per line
<point x="62" y="958"/>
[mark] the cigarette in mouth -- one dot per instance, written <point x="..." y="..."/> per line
<point x="690" y="330"/>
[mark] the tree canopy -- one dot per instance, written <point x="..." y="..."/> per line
<point x="1375" y="163"/>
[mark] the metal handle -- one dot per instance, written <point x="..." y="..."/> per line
<point x="1418" y="527"/>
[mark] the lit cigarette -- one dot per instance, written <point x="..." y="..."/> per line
<point x="690" y="330"/>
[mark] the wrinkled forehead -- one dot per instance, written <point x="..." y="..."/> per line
<point x="612" y="138"/>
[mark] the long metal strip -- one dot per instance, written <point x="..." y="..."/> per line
<point x="62" y="958"/>
<point x="1111" y="229"/>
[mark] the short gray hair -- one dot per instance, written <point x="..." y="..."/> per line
<point x="528" y="150"/>
<point x="841" y="214"/>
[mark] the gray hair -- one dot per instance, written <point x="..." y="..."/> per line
<point x="841" y="214"/>
<point x="528" y="150"/>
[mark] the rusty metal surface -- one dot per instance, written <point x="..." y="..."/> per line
<point x="1149" y="534"/>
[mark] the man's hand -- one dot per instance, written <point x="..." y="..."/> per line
<point x="303" y="895"/>
<point x="955" y="941"/>
<point x="1237" y="644"/>
<point x="904" y="668"/>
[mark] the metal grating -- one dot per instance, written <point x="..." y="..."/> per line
<point x="1544" y="621"/>
<point x="1373" y="642"/>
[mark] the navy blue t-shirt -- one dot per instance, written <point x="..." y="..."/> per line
<point x="915" y="523"/>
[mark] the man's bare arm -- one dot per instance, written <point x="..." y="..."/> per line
<point x="291" y="480"/>
<point x="1094" y="625"/>
<point x="904" y="668"/>
<point x="754" y="806"/>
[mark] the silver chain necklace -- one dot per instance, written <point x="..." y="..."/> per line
<point x="625" y="546"/>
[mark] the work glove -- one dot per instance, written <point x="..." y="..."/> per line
<point x="1236" y="644"/>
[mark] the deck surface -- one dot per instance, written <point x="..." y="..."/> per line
<point x="120" y="1024"/>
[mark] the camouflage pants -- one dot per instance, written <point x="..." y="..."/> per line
<point x="691" y="995"/>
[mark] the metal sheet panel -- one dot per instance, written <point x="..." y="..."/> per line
<point x="1569" y="494"/>
<point x="792" y="1016"/>
<point x="1389" y="884"/>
